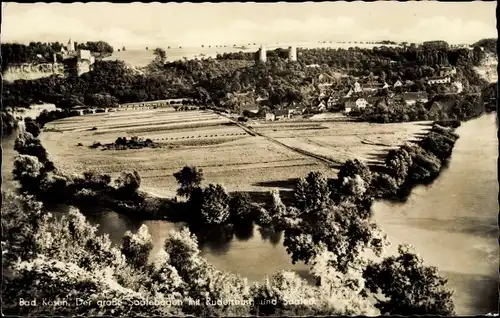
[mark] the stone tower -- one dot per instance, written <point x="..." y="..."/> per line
<point x="292" y="53"/>
<point x="262" y="54"/>
<point x="71" y="46"/>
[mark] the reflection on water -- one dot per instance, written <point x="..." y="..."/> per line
<point x="452" y="223"/>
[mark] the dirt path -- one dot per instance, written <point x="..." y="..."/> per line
<point x="252" y="132"/>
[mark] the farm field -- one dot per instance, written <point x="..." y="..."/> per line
<point x="343" y="140"/>
<point x="227" y="154"/>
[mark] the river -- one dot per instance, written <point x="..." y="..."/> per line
<point x="452" y="223"/>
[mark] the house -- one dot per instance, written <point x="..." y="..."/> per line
<point x="355" y="102"/>
<point x="349" y="93"/>
<point x="321" y="106"/>
<point x="333" y="100"/>
<point x="397" y="84"/>
<point x="357" y="88"/>
<point x="270" y="117"/>
<point x="447" y="71"/>
<point x="281" y="114"/>
<point x="295" y="108"/>
<point x="361" y="103"/>
<point x="413" y="97"/>
<point x="439" y="80"/>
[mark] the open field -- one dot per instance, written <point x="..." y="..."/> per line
<point x="227" y="154"/>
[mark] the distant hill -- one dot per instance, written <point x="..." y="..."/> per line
<point x="489" y="45"/>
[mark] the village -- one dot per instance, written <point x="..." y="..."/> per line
<point x="352" y="94"/>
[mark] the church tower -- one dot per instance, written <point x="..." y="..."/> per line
<point x="71" y="46"/>
<point x="292" y="53"/>
<point x="262" y="54"/>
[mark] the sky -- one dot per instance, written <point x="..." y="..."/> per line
<point x="193" y="24"/>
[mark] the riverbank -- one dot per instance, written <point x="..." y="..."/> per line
<point x="453" y="222"/>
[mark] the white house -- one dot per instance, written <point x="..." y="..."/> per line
<point x="397" y="84"/>
<point x="358" y="102"/>
<point x="361" y="103"/>
<point x="270" y="116"/>
<point x="357" y="88"/>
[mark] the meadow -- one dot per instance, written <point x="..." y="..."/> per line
<point x="227" y="154"/>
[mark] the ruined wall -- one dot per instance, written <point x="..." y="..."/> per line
<point x="29" y="71"/>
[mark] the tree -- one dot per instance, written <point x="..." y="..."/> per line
<point x="351" y="168"/>
<point x="136" y="247"/>
<point x="127" y="184"/>
<point x="160" y="55"/>
<point x="312" y="192"/>
<point x="29" y="172"/>
<point x="31" y="127"/>
<point x="189" y="178"/>
<point x="240" y="208"/>
<point x="26" y="144"/>
<point x="215" y="206"/>
<point x="410" y="287"/>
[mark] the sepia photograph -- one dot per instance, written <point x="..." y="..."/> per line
<point x="249" y="159"/>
